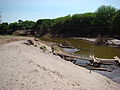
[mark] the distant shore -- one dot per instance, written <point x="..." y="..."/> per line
<point x="111" y="42"/>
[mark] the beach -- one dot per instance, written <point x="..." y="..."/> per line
<point x="25" y="67"/>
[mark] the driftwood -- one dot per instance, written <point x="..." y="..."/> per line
<point x="95" y="63"/>
<point x="36" y="39"/>
<point x="117" y="58"/>
<point x="65" y="44"/>
<point x="101" y="69"/>
<point x="109" y="61"/>
<point x="72" y="56"/>
<point x="99" y="61"/>
<point x="32" y="42"/>
<point x="29" y="42"/>
<point x="94" y="68"/>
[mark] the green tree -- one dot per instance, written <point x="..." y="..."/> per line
<point x="20" y="21"/>
<point x="41" y="26"/>
<point x="104" y="15"/>
<point x="4" y="28"/>
<point x="13" y="27"/>
<point x="26" y="25"/>
<point x="116" y="24"/>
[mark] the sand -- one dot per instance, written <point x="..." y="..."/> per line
<point x="25" y="67"/>
<point x="110" y="42"/>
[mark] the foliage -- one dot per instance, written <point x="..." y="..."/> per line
<point x="104" y="15"/>
<point x="26" y="25"/>
<point x="104" y="22"/>
<point x="116" y="23"/>
<point x="4" y="28"/>
<point x="87" y="24"/>
<point x="41" y="26"/>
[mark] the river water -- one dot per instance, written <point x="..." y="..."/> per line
<point x="86" y="48"/>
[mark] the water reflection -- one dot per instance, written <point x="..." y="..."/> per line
<point x="71" y="50"/>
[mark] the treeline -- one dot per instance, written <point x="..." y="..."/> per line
<point x="104" y="22"/>
<point x="6" y="28"/>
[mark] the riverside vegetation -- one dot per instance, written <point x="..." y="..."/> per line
<point x="105" y="21"/>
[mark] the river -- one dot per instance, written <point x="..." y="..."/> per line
<point x="86" y="48"/>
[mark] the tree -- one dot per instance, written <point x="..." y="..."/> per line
<point x="104" y="15"/>
<point x="13" y="27"/>
<point x="116" y="24"/>
<point x="41" y="26"/>
<point x="4" y="28"/>
<point x="20" y="21"/>
<point x="28" y="25"/>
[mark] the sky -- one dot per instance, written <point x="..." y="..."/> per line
<point x="14" y="10"/>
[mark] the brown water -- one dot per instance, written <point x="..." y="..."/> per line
<point x="87" y="48"/>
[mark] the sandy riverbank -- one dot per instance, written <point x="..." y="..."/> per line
<point x="25" y="67"/>
<point x="93" y="40"/>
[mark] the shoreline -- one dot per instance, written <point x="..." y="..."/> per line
<point x="33" y="67"/>
<point x="111" y="42"/>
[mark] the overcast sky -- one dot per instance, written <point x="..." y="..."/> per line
<point x="13" y="10"/>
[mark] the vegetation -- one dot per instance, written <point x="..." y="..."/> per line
<point x="104" y="22"/>
<point x="116" y="24"/>
<point x="6" y="28"/>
